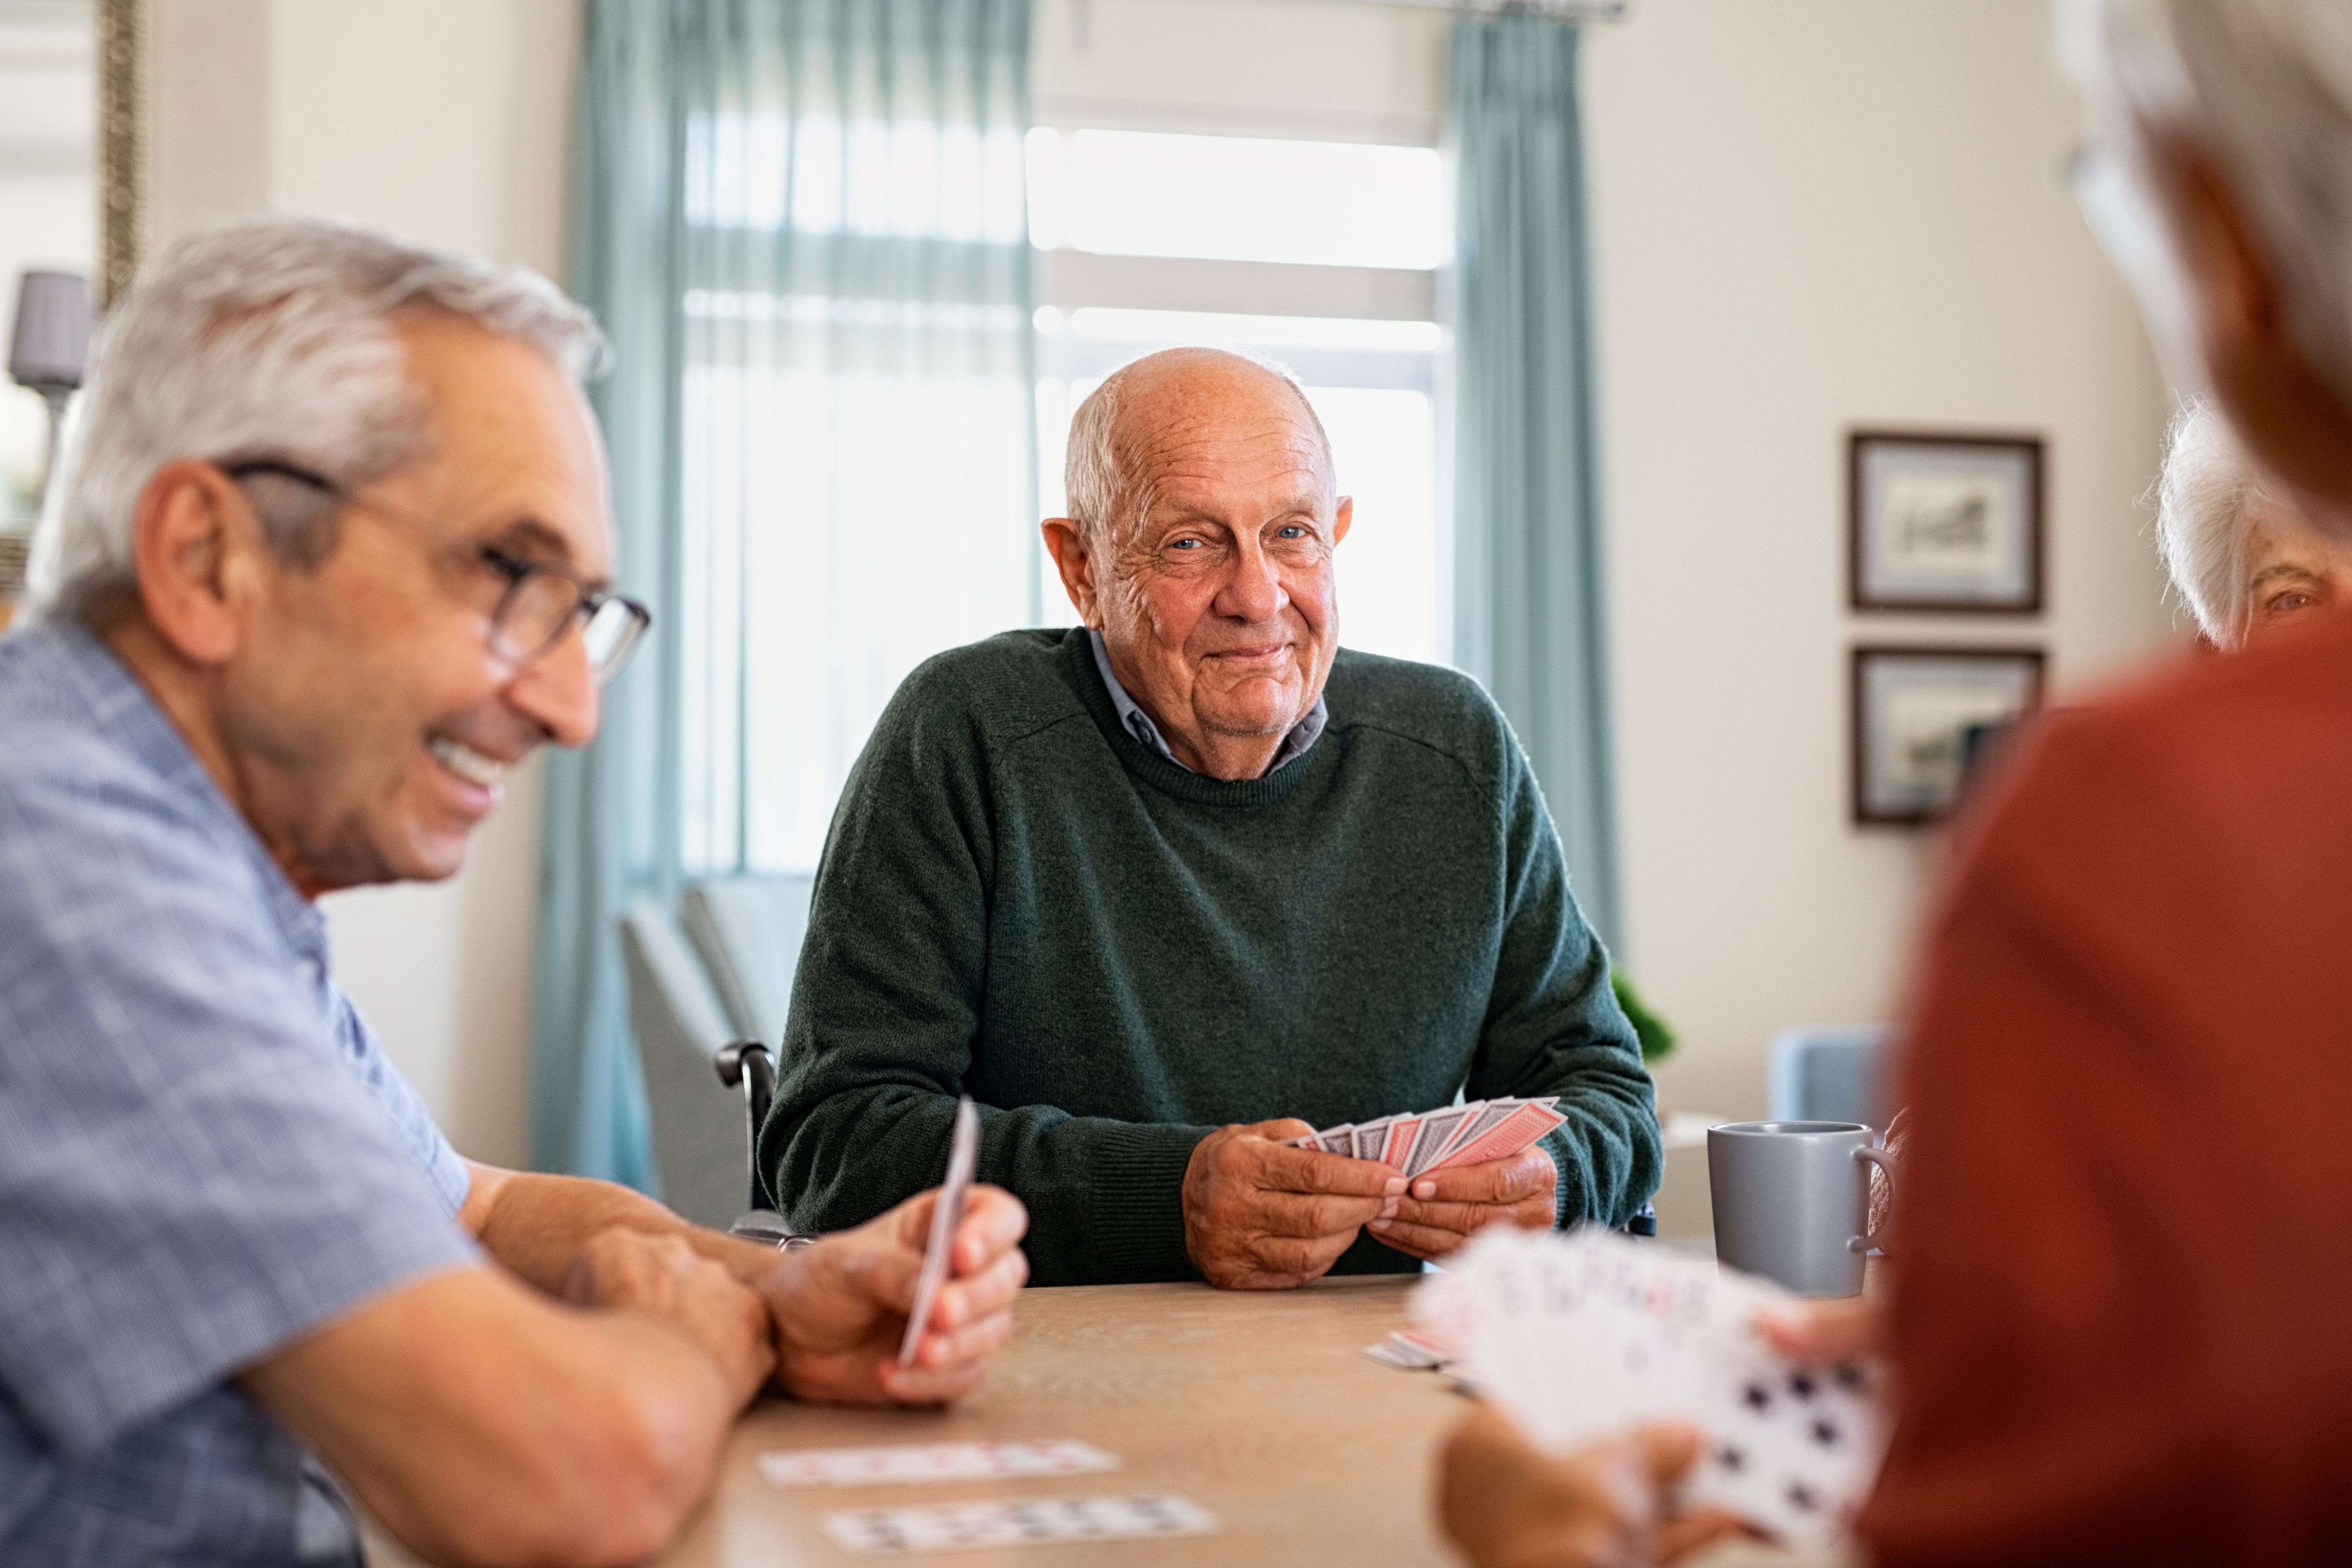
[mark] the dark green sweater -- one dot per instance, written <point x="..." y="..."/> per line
<point x="1113" y="956"/>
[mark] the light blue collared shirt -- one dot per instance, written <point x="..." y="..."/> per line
<point x="1303" y="734"/>
<point x="203" y="1152"/>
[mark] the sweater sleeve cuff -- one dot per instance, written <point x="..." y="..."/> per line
<point x="1136" y="1201"/>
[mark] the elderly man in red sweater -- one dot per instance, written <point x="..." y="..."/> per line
<point x="2119" y="1331"/>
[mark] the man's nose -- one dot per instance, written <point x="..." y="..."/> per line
<point x="1252" y="591"/>
<point x="557" y="691"/>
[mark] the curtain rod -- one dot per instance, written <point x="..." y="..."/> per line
<point x="1574" y="10"/>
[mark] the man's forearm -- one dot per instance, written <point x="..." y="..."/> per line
<point x="483" y="1423"/>
<point x="536" y="1224"/>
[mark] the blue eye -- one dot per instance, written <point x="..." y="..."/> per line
<point x="1291" y="531"/>
<point x="1185" y="544"/>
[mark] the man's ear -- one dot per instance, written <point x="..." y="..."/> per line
<point x="195" y="544"/>
<point x="1065" y="542"/>
<point x="1343" y="517"/>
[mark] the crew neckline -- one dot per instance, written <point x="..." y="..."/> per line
<point x="1169" y="777"/>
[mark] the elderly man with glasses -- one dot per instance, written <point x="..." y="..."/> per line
<point x="1164" y="891"/>
<point x="327" y="559"/>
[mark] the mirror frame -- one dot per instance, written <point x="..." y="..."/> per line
<point x="122" y="145"/>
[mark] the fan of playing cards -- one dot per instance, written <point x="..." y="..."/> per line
<point x="1456" y="1135"/>
<point x="1582" y="1336"/>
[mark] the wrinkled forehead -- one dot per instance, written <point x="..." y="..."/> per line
<point x="2277" y="532"/>
<point x="1224" y="431"/>
<point x="516" y="451"/>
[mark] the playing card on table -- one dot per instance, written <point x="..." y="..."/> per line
<point x="956" y="1526"/>
<point x="1410" y="1352"/>
<point x="963" y="1149"/>
<point x="917" y="1464"/>
<point x="1583" y="1336"/>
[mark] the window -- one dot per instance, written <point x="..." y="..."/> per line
<point x="855" y="489"/>
<point x="1319" y="255"/>
<point x="852" y="289"/>
<point x="1236" y="198"/>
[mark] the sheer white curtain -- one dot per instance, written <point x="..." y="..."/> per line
<point x="803" y="223"/>
<point x="855" y="401"/>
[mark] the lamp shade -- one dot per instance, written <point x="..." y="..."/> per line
<point x="51" y="343"/>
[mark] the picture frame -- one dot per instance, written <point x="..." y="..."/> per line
<point x="1919" y="720"/>
<point x="1944" y="523"/>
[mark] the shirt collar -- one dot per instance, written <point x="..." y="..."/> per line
<point x="1303" y="734"/>
<point x="121" y="709"/>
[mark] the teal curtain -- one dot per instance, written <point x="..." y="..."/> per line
<point x="1530" y="595"/>
<point x="802" y="226"/>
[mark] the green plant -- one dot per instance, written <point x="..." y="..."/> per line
<point x="1657" y="1036"/>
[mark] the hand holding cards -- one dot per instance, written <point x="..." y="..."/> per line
<point x="1583" y="1336"/>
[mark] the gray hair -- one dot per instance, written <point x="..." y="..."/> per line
<point x="2205" y="503"/>
<point x="275" y="337"/>
<point x="2264" y="87"/>
<point x="1102" y="493"/>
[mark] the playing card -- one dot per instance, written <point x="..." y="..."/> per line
<point x="1525" y="1122"/>
<point x="1395" y="1140"/>
<point x="1583" y="1336"/>
<point x="1398" y="1143"/>
<point x="1435" y="1128"/>
<point x="1484" y="1114"/>
<point x="1791" y="1448"/>
<point x="916" y="1464"/>
<point x="1407" y="1352"/>
<point x="963" y="1148"/>
<point x="1033" y="1521"/>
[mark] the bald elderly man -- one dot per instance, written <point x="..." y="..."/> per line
<point x="1167" y="889"/>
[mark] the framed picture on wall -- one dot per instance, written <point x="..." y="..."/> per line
<point x="1922" y="717"/>
<point x="1941" y="522"/>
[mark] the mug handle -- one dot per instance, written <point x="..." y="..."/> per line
<point x="1888" y="1163"/>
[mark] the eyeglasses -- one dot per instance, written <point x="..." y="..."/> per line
<point x="540" y="605"/>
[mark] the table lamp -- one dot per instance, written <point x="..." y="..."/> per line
<point x="51" y="345"/>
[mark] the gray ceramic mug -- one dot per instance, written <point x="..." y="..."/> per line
<point x="1792" y="1201"/>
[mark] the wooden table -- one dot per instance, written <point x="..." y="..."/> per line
<point x="1258" y="1405"/>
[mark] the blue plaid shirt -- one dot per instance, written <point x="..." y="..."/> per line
<point x="203" y="1152"/>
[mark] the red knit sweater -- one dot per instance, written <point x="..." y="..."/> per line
<point x="2124" y="1320"/>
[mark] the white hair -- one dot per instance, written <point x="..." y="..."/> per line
<point x="1103" y="493"/>
<point x="2206" y="503"/>
<point x="268" y="338"/>
<point x="2264" y="89"/>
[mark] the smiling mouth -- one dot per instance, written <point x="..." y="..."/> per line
<point x="483" y="773"/>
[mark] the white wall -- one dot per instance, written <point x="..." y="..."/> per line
<point x="446" y="121"/>
<point x="1322" y="69"/>
<point x="1810" y="215"/>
